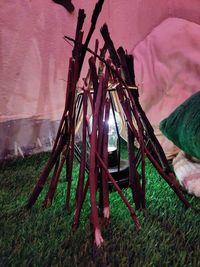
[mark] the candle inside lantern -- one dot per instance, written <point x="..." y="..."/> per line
<point x="113" y="124"/>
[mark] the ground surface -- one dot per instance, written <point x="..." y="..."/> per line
<point x="169" y="236"/>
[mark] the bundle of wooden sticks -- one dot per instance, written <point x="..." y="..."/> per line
<point x="117" y="70"/>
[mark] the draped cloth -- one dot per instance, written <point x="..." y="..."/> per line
<point x="167" y="68"/>
<point x="34" y="60"/>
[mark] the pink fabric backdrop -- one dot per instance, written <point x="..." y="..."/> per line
<point x="167" y="68"/>
<point x="34" y="57"/>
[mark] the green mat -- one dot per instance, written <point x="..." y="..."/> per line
<point x="43" y="237"/>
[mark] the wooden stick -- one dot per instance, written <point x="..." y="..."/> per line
<point x="110" y="45"/>
<point x="95" y="15"/>
<point x="133" y="174"/>
<point x="142" y="151"/>
<point x="150" y="132"/>
<point x="105" y="192"/>
<point x="133" y="215"/>
<point x="96" y="49"/>
<point x="64" y="116"/>
<point x="45" y="173"/>
<point x="67" y="4"/>
<point x="171" y="178"/>
<point x="87" y="182"/>
<point x="101" y="65"/>
<point x="92" y="178"/>
<point x="124" y="66"/>
<point x="99" y="146"/>
<point x="127" y="67"/>
<point x="94" y="77"/>
<point x="47" y="200"/>
<point x="79" y="26"/>
<point x="53" y="185"/>
<point x="72" y="112"/>
<point x="140" y="139"/>
<point x="87" y="78"/>
<point x="100" y="151"/>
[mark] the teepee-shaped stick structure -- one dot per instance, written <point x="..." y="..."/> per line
<point x="114" y="74"/>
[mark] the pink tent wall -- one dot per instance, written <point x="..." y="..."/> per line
<point x="34" y="58"/>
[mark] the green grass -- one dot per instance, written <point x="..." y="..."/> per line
<point x="43" y="237"/>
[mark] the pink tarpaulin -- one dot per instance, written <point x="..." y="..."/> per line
<point x="34" y="60"/>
